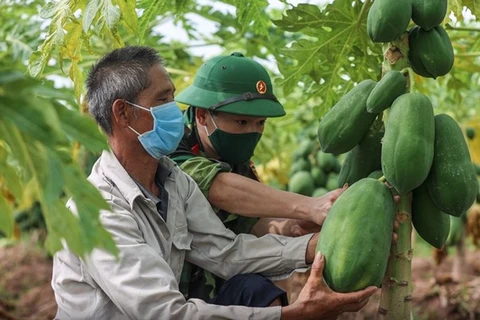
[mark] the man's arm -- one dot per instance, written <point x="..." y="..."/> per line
<point x="142" y="285"/>
<point x="222" y="252"/>
<point x="247" y="197"/>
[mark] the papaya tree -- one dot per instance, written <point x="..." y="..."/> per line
<point x="322" y="54"/>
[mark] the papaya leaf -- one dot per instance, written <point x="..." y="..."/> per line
<point x="18" y="149"/>
<point x="34" y="117"/>
<point x="10" y="76"/>
<point x="181" y="4"/>
<point x="324" y="55"/>
<point x="129" y="15"/>
<point x="73" y="42"/>
<point x="91" y="10"/>
<point x="81" y="128"/>
<point x="76" y="75"/>
<point x="456" y="7"/>
<point x="6" y="216"/>
<point x="111" y="13"/>
<point x="62" y="224"/>
<point x="151" y="9"/>
<point x="11" y="180"/>
<point x="36" y="64"/>
<point x="88" y="202"/>
<point x="301" y="17"/>
<point x="48" y="172"/>
<point x="252" y="13"/>
<point x="474" y="7"/>
<point x="48" y="10"/>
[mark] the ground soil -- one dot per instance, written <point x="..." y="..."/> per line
<point x="25" y="291"/>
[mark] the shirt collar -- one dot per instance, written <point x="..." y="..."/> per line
<point x="119" y="177"/>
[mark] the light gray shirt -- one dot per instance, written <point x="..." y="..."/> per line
<point x="143" y="282"/>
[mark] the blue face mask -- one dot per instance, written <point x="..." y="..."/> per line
<point x="167" y="130"/>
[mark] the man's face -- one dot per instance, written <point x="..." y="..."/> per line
<point x="234" y="123"/>
<point x="160" y="91"/>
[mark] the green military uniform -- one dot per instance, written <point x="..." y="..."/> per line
<point x="232" y="84"/>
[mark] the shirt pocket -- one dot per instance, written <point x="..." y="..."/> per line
<point x="182" y="239"/>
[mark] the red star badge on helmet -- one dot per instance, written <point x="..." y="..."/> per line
<point x="261" y="87"/>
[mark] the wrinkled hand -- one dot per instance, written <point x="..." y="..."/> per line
<point x="318" y="301"/>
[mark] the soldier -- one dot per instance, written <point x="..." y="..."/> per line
<point x="229" y="102"/>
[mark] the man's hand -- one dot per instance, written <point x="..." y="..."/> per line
<point x="316" y="209"/>
<point x="318" y="301"/>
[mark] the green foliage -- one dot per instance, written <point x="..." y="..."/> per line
<point x="321" y="52"/>
<point x="36" y="135"/>
<point x="334" y="53"/>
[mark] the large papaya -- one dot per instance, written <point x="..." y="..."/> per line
<point x="452" y="181"/>
<point x="429" y="13"/>
<point x="431" y="52"/>
<point x="407" y="150"/>
<point x="356" y="236"/>
<point x="430" y="222"/>
<point x="348" y="121"/>
<point x="388" y="19"/>
<point x="363" y="159"/>
<point x="389" y="88"/>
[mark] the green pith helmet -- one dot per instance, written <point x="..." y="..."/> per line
<point x="233" y="84"/>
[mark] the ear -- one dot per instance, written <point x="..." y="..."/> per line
<point x="121" y="113"/>
<point x="201" y="116"/>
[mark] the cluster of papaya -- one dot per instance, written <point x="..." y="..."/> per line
<point x="430" y="49"/>
<point x="313" y="172"/>
<point x="416" y="152"/>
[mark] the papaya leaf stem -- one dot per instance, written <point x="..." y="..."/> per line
<point x="363" y="12"/>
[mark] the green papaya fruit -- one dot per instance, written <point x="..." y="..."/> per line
<point x="377" y="174"/>
<point x="407" y="150"/>
<point x="429" y="221"/>
<point x="302" y="183"/>
<point x="470" y="133"/>
<point x="332" y="181"/>
<point x="452" y="181"/>
<point x="348" y="121"/>
<point x="363" y="159"/>
<point x="431" y="52"/>
<point x="388" y="19"/>
<point x="300" y="164"/>
<point x="457" y="229"/>
<point x="389" y="88"/>
<point x="326" y="161"/>
<point x="319" y="177"/>
<point x="356" y="236"/>
<point x="304" y="149"/>
<point x="429" y="13"/>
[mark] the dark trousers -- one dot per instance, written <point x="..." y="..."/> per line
<point x="251" y="290"/>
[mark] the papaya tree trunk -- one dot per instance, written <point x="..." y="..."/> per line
<point x="396" y="295"/>
<point x="459" y="267"/>
<point x="396" y="298"/>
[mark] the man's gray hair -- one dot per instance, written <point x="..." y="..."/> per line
<point x="121" y="74"/>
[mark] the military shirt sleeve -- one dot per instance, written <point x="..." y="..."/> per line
<point x="203" y="171"/>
